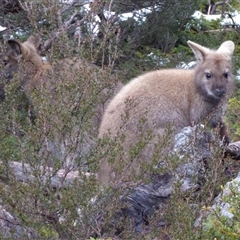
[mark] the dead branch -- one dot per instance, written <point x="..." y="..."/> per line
<point x="62" y="178"/>
<point x="222" y="30"/>
<point x="233" y="150"/>
<point x="10" y="6"/>
<point x="215" y="5"/>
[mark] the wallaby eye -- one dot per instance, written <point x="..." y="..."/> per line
<point x="208" y="75"/>
<point x="225" y="75"/>
<point x="5" y="62"/>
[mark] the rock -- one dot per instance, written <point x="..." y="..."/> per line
<point x="192" y="147"/>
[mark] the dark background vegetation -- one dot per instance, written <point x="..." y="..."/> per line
<point x="117" y="49"/>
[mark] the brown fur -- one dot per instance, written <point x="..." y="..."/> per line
<point x="24" y="59"/>
<point x="161" y="98"/>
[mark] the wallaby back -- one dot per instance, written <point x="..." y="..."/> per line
<point x="156" y="100"/>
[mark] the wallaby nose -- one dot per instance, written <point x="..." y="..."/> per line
<point x="219" y="92"/>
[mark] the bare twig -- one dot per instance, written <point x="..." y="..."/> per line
<point x="62" y="178"/>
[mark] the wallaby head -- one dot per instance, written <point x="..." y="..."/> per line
<point x="213" y="75"/>
<point x="22" y="58"/>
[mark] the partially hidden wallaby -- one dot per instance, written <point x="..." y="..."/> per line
<point x="157" y="100"/>
<point x="23" y="59"/>
<point x="36" y="77"/>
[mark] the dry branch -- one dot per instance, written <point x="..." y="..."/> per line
<point x="57" y="179"/>
<point x="222" y="30"/>
<point x="233" y="150"/>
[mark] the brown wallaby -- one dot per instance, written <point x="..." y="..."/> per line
<point x="91" y="88"/>
<point x="22" y="58"/>
<point x="152" y="102"/>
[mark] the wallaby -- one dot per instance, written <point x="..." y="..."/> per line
<point x="50" y="84"/>
<point x="22" y="58"/>
<point x="157" y="100"/>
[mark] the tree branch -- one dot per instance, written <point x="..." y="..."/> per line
<point x="23" y="172"/>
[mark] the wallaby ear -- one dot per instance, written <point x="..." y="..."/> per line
<point x="16" y="47"/>
<point x="227" y="47"/>
<point x="198" y="50"/>
<point x="35" y="40"/>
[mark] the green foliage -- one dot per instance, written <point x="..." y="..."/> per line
<point x="47" y="233"/>
<point x="99" y="238"/>
<point x="233" y="113"/>
<point x="225" y="226"/>
<point x="67" y="118"/>
<point x="64" y="128"/>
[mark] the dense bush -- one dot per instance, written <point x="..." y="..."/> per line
<point x="60" y="130"/>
